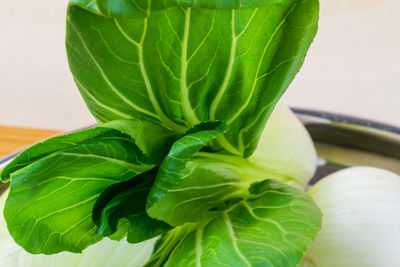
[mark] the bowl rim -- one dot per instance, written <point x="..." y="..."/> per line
<point x="347" y="119"/>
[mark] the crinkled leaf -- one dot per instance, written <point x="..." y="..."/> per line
<point x="173" y="165"/>
<point x="105" y="253"/>
<point x="205" y="187"/>
<point x="122" y="207"/>
<point x="186" y="63"/>
<point x="208" y="184"/>
<point x="45" y="148"/>
<point x="154" y="141"/>
<point x="272" y="227"/>
<point x="49" y="208"/>
<point x="120" y="210"/>
<point x="212" y="182"/>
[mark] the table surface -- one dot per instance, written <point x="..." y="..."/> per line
<point x="13" y="139"/>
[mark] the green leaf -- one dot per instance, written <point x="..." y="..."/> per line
<point x="206" y="184"/>
<point x="55" y="184"/>
<point x="154" y="141"/>
<point x="140" y="7"/>
<point x="173" y="166"/>
<point x="205" y="187"/>
<point x="191" y="62"/>
<point x="193" y="186"/>
<point x="122" y="207"/>
<point x="272" y="227"/>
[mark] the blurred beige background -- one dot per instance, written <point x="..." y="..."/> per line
<point x="353" y="66"/>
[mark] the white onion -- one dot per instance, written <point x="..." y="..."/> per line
<point x="361" y="219"/>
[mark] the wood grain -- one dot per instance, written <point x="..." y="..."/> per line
<point x="13" y="139"/>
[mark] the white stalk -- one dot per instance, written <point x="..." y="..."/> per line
<point x="286" y="148"/>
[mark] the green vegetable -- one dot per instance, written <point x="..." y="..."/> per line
<point x="106" y="253"/>
<point x="152" y="139"/>
<point x="262" y="230"/>
<point x="121" y="210"/>
<point x="55" y="184"/>
<point x="182" y="91"/>
<point x="361" y="208"/>
<point x="210" y="181"/>
<point x="179" y="63"/>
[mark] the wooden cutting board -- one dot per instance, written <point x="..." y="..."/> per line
<point x="13" y="139"/>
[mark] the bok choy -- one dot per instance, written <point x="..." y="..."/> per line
<point x="178" y="63"/>
<point x="107" y="253"/>
<point x="186" y="167"/>
<point x="121" y="253"/>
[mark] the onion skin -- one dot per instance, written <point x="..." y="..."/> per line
<point x="361" y="219"/>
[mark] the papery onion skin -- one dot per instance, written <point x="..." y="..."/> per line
<point x="361" y="219"/>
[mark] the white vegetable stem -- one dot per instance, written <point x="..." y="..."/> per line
<point x="286" y="148"/>
<point x="361" y="219"/>
<point x="106" y="253"/>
